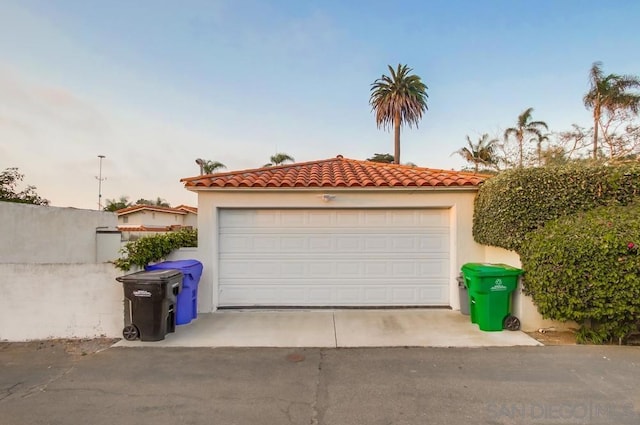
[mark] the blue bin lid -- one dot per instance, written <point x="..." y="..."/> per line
<point x="190" y="268"/>
<point x="177" y="264"/>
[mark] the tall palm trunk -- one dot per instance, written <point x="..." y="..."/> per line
<point x="539" y="152"/>
<point x="520" y="148"/>
<point x="396" y="138"/>
<point x="596" y="124"/>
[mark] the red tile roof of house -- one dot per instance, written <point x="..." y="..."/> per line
<point x="336" y="172"/>
<point x="149" y="228"/>
<point x="182" y="209"/>
<point x="187" y="208"/>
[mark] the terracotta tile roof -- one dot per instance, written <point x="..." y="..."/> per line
<point x="149" y="228"/>
<point x="187" y="208"/>
<point x="336" y="172"/>
<point x="182" y="209"/>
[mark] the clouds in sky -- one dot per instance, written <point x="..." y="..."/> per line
<point x="155" y="84"/>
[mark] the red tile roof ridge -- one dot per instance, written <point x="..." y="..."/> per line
<point x="337" y="172"/>
<point x="140" y="207"/>
<point x="253" y="170"/>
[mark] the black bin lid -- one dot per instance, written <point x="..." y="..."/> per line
<point x="151" y="276"/>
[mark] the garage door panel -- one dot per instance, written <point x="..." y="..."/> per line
<point x="370" y="268"/>
<point x="318" y="293"/>
<point x="333" y="257"/>
<point x="436" y="242"/>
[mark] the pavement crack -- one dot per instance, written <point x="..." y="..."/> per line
<point x="43" y="387"/>
<point x="320" y="395"/>
<point x="335" y="333"/>
<point x="9" y="391"/>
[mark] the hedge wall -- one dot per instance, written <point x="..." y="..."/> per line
<point x="516" y="202"/>
<point x="586" y="267"/>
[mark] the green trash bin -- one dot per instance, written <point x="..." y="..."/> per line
<point x="490" y="287"/>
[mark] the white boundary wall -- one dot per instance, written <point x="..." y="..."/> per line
<point x="41" y="301"/>
<point x="35" y="234"/>
<point x="54" y="281"/>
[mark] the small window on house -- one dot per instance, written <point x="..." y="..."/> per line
<point x="125" y="219"/>
<point x="153" y="215"/>
<point x="175" y="218"/>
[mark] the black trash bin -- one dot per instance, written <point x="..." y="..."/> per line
<point x="150" y="304"/>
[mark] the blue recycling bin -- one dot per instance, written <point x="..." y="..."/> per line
<point x="187" y="300"/>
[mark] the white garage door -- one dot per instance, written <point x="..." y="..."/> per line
<point x="333" y="257"/>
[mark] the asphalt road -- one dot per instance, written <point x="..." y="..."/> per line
<point x="519" y="385"/>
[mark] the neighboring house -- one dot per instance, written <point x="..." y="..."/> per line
<point x="334" y="233"/>
<point x="141" y="220"/>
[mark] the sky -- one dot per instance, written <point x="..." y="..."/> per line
<point x="154" y="84"/>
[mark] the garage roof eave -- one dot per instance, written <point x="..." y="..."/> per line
<point x="465" y="188"/>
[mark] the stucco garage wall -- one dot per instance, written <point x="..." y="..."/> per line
<point x="523" y="306"/>
<point x="458" y="202"/>
<point x="42" y="301"/>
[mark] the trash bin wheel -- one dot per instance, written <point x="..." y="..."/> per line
<point x="130" y="333"/>
<point x="511" y="323"/>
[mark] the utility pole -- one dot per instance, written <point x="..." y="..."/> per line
<point x="100" y="180"/>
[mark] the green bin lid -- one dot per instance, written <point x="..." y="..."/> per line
<point x="490" y="269"/>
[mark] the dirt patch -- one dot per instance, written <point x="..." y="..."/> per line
<point x="554" y="337"/>
<point x="74" y="346"/>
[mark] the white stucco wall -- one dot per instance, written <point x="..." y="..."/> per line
<point x="55" y="279"/>
<point x="185" y="254"/>
<point x="37" y="234"/>
<point x="458" y="202"/>
<point x="191" y="219"/>
<point x="523" y="306"/>
<point x="152" y="218"/>
<point x="41" y="301"/>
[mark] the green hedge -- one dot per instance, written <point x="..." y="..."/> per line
<point x="586" y="267"/>
<point x="154" y="248"/>
<point x="519" y="201"/>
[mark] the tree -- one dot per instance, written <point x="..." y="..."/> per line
<point x="9" y="179"/>
<point x="481" y="153"/>
<point x="538" y="139"/>
<point x="159" y="202"/>
<point x="386" y="158"/>
<point x="609" y="94"/>
<point x="525" y="127"/>
<point x="115" y="205"/>
<point x="279" y="159"/>
<point x="210" y="166"/>
<point x="398" y="99"/>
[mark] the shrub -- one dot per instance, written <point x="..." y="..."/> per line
<point x="154" y="248"/>
<point x="586" y="267"/>
<point x="519" y="201"/>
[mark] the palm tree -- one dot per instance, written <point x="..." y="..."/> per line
<point x="609" y="93"/>
<point x="523" y="128"/>
<point x="538" y="141"/>
<point x="279" y="159"/>
<point x="117" y="204"/>
<point x="397" y="100"/>
<point x="481" y="153"/>
<point x="210" y="166"/>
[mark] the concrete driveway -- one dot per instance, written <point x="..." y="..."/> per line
<point x="336" y="328"/>
<point x="511" y="385"/>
